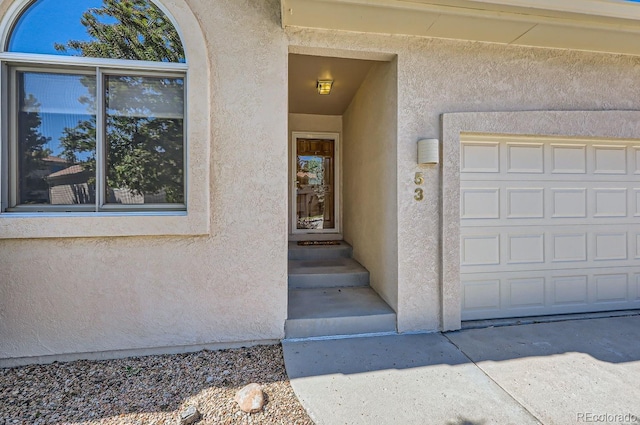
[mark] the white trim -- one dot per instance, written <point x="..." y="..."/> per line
<point x="101" y="165"/>
<point x="19" y="6"/>
<point x="92" y="214"/>
<point x="526" y="8"/>
<point x="10" y="19"/>
<point x="608" y="26"/>
<point x="101" y="160"/>
<point x="79" y="61"/>
<point x="613" y="8"/>
<point x="295" y="135"/>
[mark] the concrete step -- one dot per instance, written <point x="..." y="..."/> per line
<point x="337" y="311"/>
<point x="319" y="252"/>
<point x="327" y="273"/>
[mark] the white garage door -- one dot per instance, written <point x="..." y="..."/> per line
<point x="548" y="226"/>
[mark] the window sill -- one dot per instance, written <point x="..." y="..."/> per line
<point x="26" y="225"/>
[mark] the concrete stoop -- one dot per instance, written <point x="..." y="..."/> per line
<point x="329" y="294"/>
<point x="327" y="273"/>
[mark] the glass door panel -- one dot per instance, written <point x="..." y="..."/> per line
<point x="315" y="191"/>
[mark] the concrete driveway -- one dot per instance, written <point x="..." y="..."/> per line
<point x="569" y="372"/>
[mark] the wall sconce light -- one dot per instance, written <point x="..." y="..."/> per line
<point x="428" y="151"/>
<point x="324" y="86"/>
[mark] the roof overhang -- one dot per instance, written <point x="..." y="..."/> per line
<point x="611" y="26"/>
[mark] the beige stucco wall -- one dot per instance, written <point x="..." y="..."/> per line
<point x="76" y="295"/>
<point x="370" y="180"/>
<point x="310" y="123"/>
<point x="439" y="76"/>
<point x="228" y="284"/>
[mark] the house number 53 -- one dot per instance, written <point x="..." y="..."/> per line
<point x="419" y="193"/>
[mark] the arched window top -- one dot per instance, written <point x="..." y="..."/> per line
<point x="111" y="29"/>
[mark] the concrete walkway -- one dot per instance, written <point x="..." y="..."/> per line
<point x="568" y="372"/>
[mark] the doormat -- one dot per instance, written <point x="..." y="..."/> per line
<point x="313" y="243"/>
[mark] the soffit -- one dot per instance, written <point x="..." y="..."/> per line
<point x="594" y="25"/>
<point x="304" y="71"/>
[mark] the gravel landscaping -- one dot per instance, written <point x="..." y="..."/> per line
<point x="150" y="390"/>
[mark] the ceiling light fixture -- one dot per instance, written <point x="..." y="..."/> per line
<point x="324" y="86"/>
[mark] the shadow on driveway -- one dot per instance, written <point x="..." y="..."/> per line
<point x="551" y="373"/>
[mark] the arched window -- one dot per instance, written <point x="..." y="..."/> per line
<point x="96" y="108"/>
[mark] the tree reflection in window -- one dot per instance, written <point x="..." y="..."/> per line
<point x="144" y="132"/>
<point x="48" y="171"/>
<point x="143" y="115"/>
<point x="33" y="153"/>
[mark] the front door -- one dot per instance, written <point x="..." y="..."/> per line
<point x="315" y="183"/>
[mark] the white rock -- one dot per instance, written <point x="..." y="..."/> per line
<point x="189" y="415"/>
<point x="250" y="398"/>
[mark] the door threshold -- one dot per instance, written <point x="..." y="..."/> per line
<point x="316" y="237"/>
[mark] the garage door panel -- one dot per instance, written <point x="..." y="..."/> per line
<point x="609" y="246"/>
<point x="573" y="177"/>
<point x="525" y="202"/>
<point x="611" y="287"/>
<point x="568" y="159"/>
<point x="610" y="159"/>
<point x="569" y="290"/>
<point x="635" y="201"/>
<point x="635" y="159"/>
<point x="525" y="158"/>
<point x="522" y="248"/>
<point x="635" y="245"/>
<point x="559" y="203"/>
<point x="573" y="160"/>
<point x="480" y="250"/>
<point x="610" y="202"/>
<point x="568" y="202"/>
<point x="480" y="203"/>
<point x="482" y="295"/>
<point x="525" y="249"/>
<point x="568" y="246"/>
<point x="526" y="292"/>
<point x="549" y="226"/>
<point x="518" y="294"/>
<point x="480" y="158"/>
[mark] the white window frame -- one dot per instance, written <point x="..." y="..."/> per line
<point x="197" y="130"/>
<point x="100" y="71"/>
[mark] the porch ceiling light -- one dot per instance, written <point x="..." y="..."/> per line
<point x="324" y="86"/>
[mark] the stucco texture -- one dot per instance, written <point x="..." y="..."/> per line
<point x="79" y="295"/>
<point x="370" y="182"/>
<point x="440" y="76"/>
<point x="227" y="283"/>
